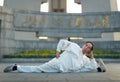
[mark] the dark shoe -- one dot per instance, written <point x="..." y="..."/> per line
<point x="9" y="68"/>
<point x="102" y="65"/>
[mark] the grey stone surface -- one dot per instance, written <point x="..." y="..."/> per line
<point x="52" y="45"/>
<point x="26" y="4"/>
<point x="7" y="40"/>
<point x="64" y="33"/>
<point x="112" y="75"/>
<point x="84" y="20"/>
<point x="98" y="6"/>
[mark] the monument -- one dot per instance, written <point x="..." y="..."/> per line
<point x="21" y="26"/>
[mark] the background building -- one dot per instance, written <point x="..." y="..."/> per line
<point x="25" y="28"/>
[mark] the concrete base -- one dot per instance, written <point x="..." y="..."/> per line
<point x="112" y="75"/>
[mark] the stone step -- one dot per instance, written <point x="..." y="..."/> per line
<point x="69" y="32"/>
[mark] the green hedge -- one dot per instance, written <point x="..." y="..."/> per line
<point x="51" y="54"/>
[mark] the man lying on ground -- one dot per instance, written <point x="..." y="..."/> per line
<point x="73" y="59"/>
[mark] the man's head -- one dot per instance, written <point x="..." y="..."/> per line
<point x="87" y="47"/>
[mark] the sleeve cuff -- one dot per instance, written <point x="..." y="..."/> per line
<point x="58" y="50"/>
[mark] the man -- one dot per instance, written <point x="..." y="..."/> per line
<point x="73" y="59"/>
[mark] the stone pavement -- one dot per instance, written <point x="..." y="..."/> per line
<point x="112" y="75"/>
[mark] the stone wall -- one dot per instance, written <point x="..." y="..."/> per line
<point x="52" y="45"/>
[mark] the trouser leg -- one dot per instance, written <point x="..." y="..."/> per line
<point x="51" y="66"/>
<point x="28" y="69"/>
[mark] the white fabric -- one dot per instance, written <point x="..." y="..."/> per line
<point x="71" y="60"/>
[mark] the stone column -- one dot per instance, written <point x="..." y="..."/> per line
<point x="57" y="5"/>
<point x="7" y="41"/>
<point x="98" y="5"/>
<point x="0" y="39"/>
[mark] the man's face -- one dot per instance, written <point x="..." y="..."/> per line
<point x="87" y="48"/>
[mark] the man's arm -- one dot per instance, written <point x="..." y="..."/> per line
<point x="93" y="62"/>
<point x="91" y="55"/>
<point x="62" y="45"/>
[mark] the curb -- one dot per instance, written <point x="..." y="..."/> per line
<point x="25" y="60"/>
<point x="111" y="60"/>
<point x="42" y="60"/>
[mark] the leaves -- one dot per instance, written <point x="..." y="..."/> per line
<point x="51" y="54"/>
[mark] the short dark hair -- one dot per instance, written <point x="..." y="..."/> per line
<point x="90" y="43"/>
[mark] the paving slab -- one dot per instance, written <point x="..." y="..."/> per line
<point x="112" y="75"/>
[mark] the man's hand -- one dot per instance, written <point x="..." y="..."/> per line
<point x="91" y="55"/>
<point x="57" y="55"/>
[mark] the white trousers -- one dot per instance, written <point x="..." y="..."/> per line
<point x="51" y="66"/>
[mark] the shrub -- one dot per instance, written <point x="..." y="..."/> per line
<point x="51" y="54"/>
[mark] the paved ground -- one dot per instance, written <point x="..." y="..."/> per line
<point x="112" y="75"/>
